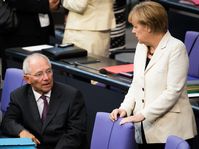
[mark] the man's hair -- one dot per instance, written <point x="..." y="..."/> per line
<point x="26" y="62"/>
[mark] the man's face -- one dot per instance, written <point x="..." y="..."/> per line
<point x="40" y="76"/>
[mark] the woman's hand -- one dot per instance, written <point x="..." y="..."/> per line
<point x="132" y="119"/>
<point x="117" y="113"/>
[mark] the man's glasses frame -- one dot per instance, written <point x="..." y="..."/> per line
<point x="41" y="74"/>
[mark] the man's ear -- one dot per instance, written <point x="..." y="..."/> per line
<point x="27" y="79"/>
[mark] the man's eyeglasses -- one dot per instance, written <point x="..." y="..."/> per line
<point x="41" y="74"/>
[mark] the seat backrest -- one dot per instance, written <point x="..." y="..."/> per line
<point x="193" y="60"/>
<point x="174" y="142"/>
<point x="192" y="46"/>
<point x="190" y="39"/>
<point x="111" y="135"/>
<point x="13" y="79"/>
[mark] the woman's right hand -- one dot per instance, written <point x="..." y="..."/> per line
<point x="117" y="113"/>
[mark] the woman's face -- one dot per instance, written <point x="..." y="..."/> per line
<point x="142" y="32"/>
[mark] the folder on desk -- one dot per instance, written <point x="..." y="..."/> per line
<point x="81" y="60"/>
<point x="196" y="2"/>
<point x="117" y="69"/>
<point x="191" y="2"/>
<point x="17" y="143"/>
<point x="57" y="53"/>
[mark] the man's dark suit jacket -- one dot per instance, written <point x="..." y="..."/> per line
<point x="29" y="31"/>
<point x="65" y="125"/>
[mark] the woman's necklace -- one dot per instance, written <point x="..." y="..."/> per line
<point x="150" y="52"/>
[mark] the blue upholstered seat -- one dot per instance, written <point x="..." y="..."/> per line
<point x="13" y="79"/>
<point x="174" y="142"/>
<point x="192" y="45"/>
<point x="111" y="135"/>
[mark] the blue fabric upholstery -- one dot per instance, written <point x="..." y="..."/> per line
<point x="111" y="135"/>
<point x="174" y="142"/>
<point x="190" y="38"/>
<point x="192" y="45"/>
<point x="193" y="60"/>
<point x="13" y="79"/>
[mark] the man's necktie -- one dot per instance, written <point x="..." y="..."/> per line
<point x="45" y="108"/>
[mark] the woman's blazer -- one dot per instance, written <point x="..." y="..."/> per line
<point x="159" y="92"/>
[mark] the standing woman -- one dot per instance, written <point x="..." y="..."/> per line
<point x="157" y="101"/>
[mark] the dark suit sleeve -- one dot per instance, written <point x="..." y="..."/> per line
<point x="11" y="119"/>
<point x="76" y="125"/>
<point x="32" y="6"/>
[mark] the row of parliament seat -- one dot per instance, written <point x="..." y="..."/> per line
<point x="192" y="45"/>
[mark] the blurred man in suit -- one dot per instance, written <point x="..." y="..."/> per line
<point x="35" y="24"/>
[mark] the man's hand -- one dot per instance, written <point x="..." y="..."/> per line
<point x="134" y="118"/>
<point x="26" y="134"/>
<point x="54" y="4"/>
<point x="117" y="112"/>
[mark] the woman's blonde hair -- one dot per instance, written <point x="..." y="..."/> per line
<point x="151" y="14"/>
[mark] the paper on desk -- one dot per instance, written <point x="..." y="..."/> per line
<point x="193" y="95"/>
<point x="37" y="48"/>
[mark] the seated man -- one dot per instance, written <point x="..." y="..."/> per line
<point x="52" y="114"/>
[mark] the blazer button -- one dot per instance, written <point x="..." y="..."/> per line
<point x="142" y="100"/>
<point x="143" y="89"/>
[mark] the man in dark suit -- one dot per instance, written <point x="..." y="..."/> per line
<point x="64" y="125"/>
<point x="35" y="24"/>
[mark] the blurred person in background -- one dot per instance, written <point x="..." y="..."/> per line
<point x="35" y="24"/>
<point x="88" y="25"/>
